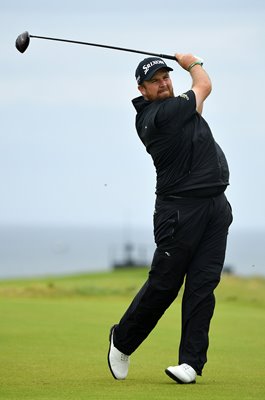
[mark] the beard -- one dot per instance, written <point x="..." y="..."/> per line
<point x="164" y="94"/>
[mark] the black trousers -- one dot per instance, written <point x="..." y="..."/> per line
<point x="191" y="236"/>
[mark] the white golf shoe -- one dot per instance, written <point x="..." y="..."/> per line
<point x="183" y="373"/>
<point x="118" y="362"/>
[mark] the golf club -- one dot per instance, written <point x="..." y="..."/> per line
<point x="23" y="40"/>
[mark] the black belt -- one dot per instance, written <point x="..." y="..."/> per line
<point x="195" y="193"/>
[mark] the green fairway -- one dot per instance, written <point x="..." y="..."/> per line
<point x="54" y="341"/>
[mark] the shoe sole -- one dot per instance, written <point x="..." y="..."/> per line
<point x="110" y="337"/>
<point x="176" y="379"/>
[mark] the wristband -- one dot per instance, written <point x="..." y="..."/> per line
<point x="198" y="62"/>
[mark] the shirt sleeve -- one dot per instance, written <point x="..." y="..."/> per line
<point x="176" y="110"/>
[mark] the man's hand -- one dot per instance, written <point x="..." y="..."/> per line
<point x="185" y="60"/>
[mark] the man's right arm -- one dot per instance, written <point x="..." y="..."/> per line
<point x="201" y="83"/>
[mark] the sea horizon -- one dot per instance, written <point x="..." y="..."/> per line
<point x="33" y="251"/>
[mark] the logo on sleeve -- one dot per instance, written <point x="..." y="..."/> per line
<point x="184" y="96"/>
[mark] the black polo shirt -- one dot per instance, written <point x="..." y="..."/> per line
<point x="180" y="142"/>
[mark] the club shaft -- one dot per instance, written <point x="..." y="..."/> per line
<point x="169" y="57"/>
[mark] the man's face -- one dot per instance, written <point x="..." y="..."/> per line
<point x="159" y="87"/>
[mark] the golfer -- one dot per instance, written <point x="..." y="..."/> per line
<point x="191" y="218"/>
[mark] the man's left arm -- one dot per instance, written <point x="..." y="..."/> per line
<point x="201" y="83"/>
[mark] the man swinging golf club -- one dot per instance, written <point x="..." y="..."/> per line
<point x="191" y="218"/>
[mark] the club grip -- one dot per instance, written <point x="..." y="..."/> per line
<point x="168" y="57"/>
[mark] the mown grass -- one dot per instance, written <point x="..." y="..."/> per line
<point x="54" y="341"/>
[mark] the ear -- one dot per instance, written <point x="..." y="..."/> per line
<point x="141" y="89"/>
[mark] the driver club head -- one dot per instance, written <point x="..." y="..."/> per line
<point x="22" y="42"/>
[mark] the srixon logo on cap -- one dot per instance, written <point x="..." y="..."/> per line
<point x="146" y="67"/>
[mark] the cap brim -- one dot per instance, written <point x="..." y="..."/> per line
<point x="154" y="70"/>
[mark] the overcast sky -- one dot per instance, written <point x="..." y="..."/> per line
<point x="69" y="152"/>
